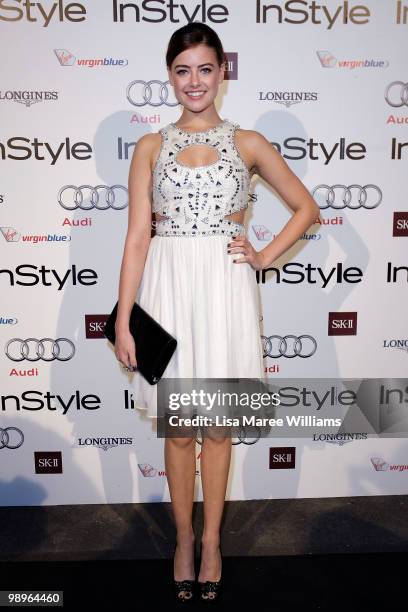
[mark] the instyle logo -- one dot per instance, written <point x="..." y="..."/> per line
<point x="400" y="223"/>
<point x="66" y="58"/>
<point x="342" y="324"/>
<point x="170" y="11"/>
<point x="28" y="97"/>
<point x="38" y="13"/>
<point x="37" y="400"/>
<point x="396" y="274"/>
<point x="298" y="12"/>
<point x="28" y="275"/>
<point x="318" y="151"/>
<point x="43" y="151"/>
<point x="282" y="458"/>
<point x="294" y="273"/>
<point x="48" y="462"/>
<point x="94" y="325"/>
<point x="328" y="60"/>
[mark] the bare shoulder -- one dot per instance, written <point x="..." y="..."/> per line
<point x="249" y="142"/>
<point x="148" y="146"/>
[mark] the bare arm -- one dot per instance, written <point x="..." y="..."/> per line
<point x="271" y="166"/>
<point x="137" y="241"/>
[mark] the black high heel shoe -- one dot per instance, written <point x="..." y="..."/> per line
<point x="184" y="589"/>
<point x="210" y="590"/>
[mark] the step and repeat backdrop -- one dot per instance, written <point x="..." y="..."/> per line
<point x="327" y="84"/>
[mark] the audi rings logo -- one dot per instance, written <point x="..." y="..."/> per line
<point x="361" y="200"/>
<point x="87" y="197"/>
<point x="244" y="435"/>
<point x="288" y="346"/>
<point x="45" y="349"/>
<point x="396" y="94"/>
<point x="11" y="437"/>
<point x="140" y="93"/>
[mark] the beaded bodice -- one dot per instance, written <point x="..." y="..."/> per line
<point x="196" y="200"/>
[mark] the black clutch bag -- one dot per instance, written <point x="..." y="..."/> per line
<point x="154" y="345"/>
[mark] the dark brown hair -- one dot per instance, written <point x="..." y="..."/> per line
<point x="193" y="34"/>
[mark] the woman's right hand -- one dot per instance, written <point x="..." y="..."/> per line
<point x="125" y="349"/>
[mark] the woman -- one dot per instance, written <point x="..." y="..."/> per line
<point x="196" y="275"/>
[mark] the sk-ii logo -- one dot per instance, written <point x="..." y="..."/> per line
<point x="48" y="462"/>
<point x="282" y="458"/>
<point x="400" y="224"/>
<point x="342" y="324"/>
<point x="94" y="325"/>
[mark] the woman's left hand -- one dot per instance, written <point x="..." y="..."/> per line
<point x="241" y="244"/>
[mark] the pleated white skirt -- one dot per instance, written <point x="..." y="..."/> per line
<point x="211" y="305"/>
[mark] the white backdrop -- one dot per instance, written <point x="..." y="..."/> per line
<point x="328" y="86"/>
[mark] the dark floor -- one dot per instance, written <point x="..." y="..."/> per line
<point x="250" y="528"/>
<point x="314" y="582"/>
<point x="310" y="554"/>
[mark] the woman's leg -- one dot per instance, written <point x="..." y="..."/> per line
<point x="180" y="462"/>
<point x="215" y="464"/>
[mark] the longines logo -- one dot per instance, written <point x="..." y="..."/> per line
<point x="396" y="343"/>
<point x="48" y="462"/>
<point x="28" y="97"/>
<point x="341" y="438"/>
<point x="282" y="458"/>
<point x="288" y="98"/>
<point x="105" y="443"/>
<point x="28" y="275"/>
<point x="342" y="324"/>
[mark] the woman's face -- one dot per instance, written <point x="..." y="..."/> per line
<point x="196" y="70"/>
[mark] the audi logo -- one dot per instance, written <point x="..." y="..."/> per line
<point x="87" y="197"/>
<point x="301" y="346"/>
<point x="243" y="436"/>
<point x="144" y="94"/>
<point x="32" y="349"/>
<point x="11" y="441"/>
<point x="347" y="196"/>
<point x="395" y="88"/>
